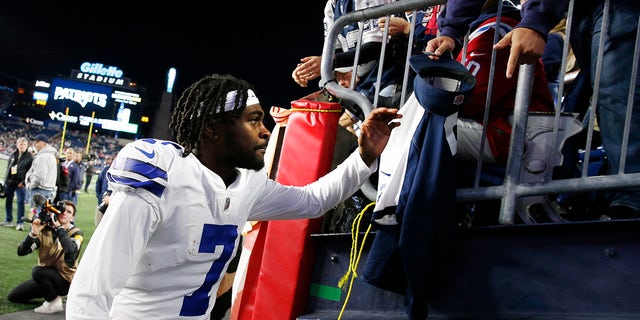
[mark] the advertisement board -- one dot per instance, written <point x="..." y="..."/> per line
<point x="81" y="103"/>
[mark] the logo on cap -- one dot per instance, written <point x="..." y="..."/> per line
<point x="458" y="100"/>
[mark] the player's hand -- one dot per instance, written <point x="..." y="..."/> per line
<point x="375" y="132"/>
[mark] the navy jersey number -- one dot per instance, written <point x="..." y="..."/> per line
<point x="212" y="236"/>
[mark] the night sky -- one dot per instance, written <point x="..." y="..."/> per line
<point x="260" y="44"/>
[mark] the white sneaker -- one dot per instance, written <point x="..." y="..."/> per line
<point x="19" y="227"/>
<point x="54" y="306"/>
<point x="6" y="224"/>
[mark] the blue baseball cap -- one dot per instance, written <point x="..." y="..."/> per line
<point x="443" y="86"/>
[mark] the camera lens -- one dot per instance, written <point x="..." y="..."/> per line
<point x="102" y="207"/>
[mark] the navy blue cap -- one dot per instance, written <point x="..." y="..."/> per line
<point x="42" y="137"/>
<point x="443" y="86"/>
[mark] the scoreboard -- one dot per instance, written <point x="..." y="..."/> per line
<point x="95" y="95"/>
<point x="82" y="103"/>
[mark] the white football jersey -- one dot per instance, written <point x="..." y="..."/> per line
<point x="349" y="36"/>
<point x="172" y="226"/>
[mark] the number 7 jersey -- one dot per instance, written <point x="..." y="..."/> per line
<point x="172" y="227"/>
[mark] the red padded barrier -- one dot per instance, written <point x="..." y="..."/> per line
<point x="279" y="271"/>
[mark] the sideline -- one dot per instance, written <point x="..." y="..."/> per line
<point x="30" y="315"/>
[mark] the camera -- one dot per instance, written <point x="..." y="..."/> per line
<point x="2" y="194"/>
<point x="45" y="212"/>
<point x="102" y="207"/>
<point x="46" y="209"/>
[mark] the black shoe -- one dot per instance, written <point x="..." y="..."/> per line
<point x="623" y="212"/>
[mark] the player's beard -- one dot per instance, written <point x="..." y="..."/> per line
<point x="242" y="158"/>
<point x="249" y="160"/>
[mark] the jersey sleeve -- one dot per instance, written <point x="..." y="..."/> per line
<point x="142" y="166"/>
<point x="542" y="15"/>
<point x="459" y="15"/>
<point x="110" y="257"/>
<point x="279" y="202"/>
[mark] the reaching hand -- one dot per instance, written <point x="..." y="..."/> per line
<point x="397" y="25"/>
<point x="527" y="46"/>
<point x="307" y="69"/>
<point x="439" y="46"/>
<point x="375" y="132"/>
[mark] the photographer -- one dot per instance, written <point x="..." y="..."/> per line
<point x="58" y="243"/>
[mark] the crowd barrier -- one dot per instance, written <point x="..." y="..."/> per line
<point x="526" y="183"/>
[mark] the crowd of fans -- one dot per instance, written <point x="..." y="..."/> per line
<point x="101" y="146"/>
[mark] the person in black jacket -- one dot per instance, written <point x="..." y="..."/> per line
<point x="19" y="163"/>
<point x="89" y="171"/>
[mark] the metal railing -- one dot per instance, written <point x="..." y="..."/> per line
<point x="513" y="187"/>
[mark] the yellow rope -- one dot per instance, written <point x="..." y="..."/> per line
<point x="315" y="110"/>
<point x="354" y="255"/>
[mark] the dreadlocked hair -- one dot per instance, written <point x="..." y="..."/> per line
<point x="202" y="104"/>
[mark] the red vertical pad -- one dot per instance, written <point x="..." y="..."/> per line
<point x="281" y="276"/>
<point x="309" y="142"/>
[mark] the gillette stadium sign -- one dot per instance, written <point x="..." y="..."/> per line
<point x="100" y="73"/>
